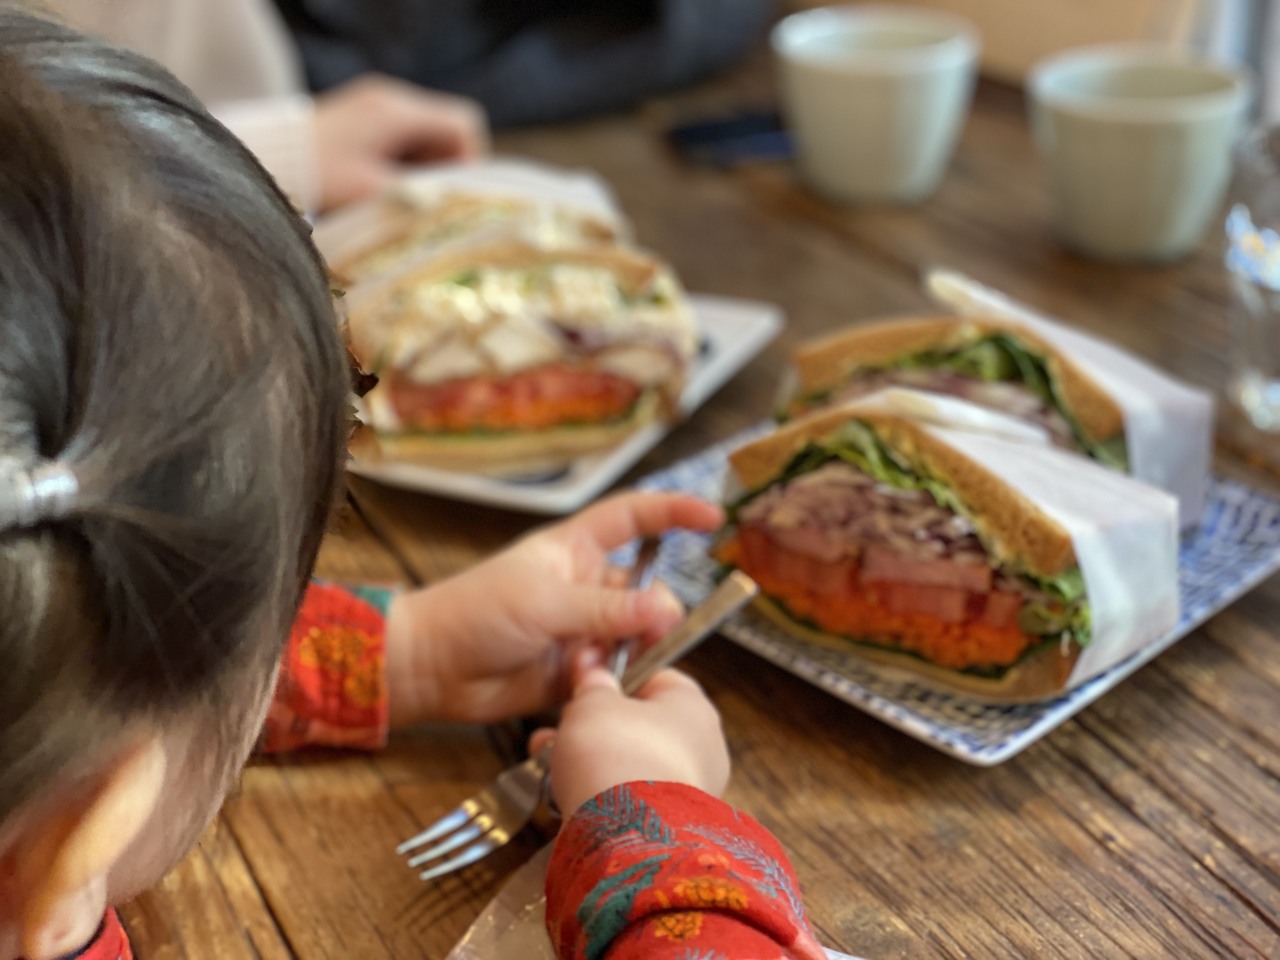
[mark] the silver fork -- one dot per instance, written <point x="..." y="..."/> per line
<point x="497" y="813"/>
<point x="640" y="577"/>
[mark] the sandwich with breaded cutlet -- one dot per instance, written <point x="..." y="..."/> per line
<point x="509" y="357"/>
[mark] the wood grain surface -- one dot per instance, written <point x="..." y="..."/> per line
<point x="1147" y="827"/>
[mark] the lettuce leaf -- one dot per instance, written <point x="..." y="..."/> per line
<point x="984" y="359"/>
<point x="999" y="357"/>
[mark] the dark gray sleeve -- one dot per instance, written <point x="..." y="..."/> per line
<point x="527" y="61"/>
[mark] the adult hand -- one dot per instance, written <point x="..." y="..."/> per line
<point x="367" y="129"/>
<point x="504" y="638"/>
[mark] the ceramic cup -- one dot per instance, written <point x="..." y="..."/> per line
<point x="1138" y="147"/>
<point x="875" y="97"/>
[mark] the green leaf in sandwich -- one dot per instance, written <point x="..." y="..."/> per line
<point x="991" y="363"/>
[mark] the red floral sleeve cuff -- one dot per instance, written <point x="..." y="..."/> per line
<point x="332" y="690"/>
<point x="110" y="943"/>
<point x="663" y="870"/>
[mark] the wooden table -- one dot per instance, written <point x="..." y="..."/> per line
<point x="1147" y="827"/>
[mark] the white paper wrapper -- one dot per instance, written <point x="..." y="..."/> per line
<point x="939" y="410"/>
<point x="1168" y="424"/>
<point x="1125" y="533"/>
<point x="361" y="226"/>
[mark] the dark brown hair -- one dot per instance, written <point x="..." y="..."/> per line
<point x="167" y="334"/>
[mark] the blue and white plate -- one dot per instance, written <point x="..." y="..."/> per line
<point x="1236" y="547"/>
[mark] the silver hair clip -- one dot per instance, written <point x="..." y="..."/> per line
<point x="31" y="497"/>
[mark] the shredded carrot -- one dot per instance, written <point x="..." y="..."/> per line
<point x="863" y="615"/>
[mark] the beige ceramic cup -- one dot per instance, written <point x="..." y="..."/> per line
<point x="1137" y="142"/>
<point x="875" y="97"/>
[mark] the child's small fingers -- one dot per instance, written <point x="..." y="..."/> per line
<point x="595" y="681"/>
<point x="540" y="738"/>
<point x="658" y="610"/>
<point x="670" y="684"/>
<point x="615" y="520"/>
<point x="584" y="659"/>
<point x="617" y="577"/>
<point x="605" y="613"/>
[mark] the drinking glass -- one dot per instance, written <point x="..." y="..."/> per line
<point x="1253" y="264"/>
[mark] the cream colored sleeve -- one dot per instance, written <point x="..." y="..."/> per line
<point x="280" y="133"/>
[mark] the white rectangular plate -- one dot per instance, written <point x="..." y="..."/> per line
<point x="732" y="332"/>
<point x="1235" y="547"/>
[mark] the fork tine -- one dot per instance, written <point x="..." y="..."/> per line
<point x="447" y="824"/>
<point x="482" y="848"/>
<point x="471" y="831"/>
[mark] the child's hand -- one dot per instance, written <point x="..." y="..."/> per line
<point x="502" y="639"/>
<point x="669" y="731"/>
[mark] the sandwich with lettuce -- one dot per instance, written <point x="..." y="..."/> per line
<point x="991" y="363"/>
<point x="1089" y="396"/>
<point x="950" y="547"/>
<point x="508" y="357"/>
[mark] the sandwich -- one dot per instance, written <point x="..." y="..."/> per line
<point x="511" y="357"/>
<point x="401" y="229"/>
<point x="990" y="363"/>
<point x="977" y="562"/>
<point x="1090" y="397"/>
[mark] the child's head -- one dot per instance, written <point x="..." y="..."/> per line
<point x="173" y="410"/>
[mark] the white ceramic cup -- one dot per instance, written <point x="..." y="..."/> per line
<point x="875" y="97"/>
<point x="1138" y="142"/>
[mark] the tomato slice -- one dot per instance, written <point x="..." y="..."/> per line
<point x="1001" y="609"/>
<point x="537" y="398"/>
<point x="948" y="604"/>
<point x="946" y="624"/>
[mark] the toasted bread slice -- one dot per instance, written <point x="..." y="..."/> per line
<point x="1016" y="531"/>
<point x="825" y="364"/>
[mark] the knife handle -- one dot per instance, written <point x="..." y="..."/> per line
<point x="725" y="600"/>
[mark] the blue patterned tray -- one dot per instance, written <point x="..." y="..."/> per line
<point x="1236" y="547"/>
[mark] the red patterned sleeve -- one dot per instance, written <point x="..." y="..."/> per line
<point x="663" y="871"/>
<point x="332" y="689"/>
<point x="110" y="943"/>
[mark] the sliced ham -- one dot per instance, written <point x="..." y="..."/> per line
<point x="836" y="533"/>
<point x="885" y="565"/>
<point x="811" y="541"/>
